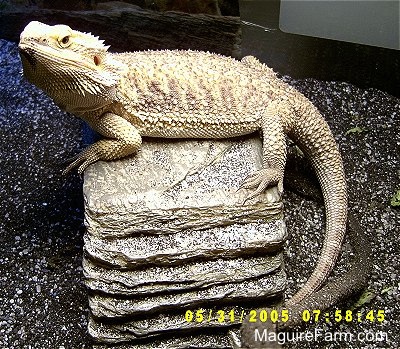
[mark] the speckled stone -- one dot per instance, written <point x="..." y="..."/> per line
<point x="169" y="231"/>
<point x="200" y="341"/>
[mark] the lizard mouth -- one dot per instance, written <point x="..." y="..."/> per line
<point x="24" y="53"/>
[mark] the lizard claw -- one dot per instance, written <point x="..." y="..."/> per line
<point x="82" y="160"/>
<point x="261" y="180"/>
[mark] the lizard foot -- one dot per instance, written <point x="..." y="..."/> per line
<point x="261" y="180"/>
<point x="83" y="160"/>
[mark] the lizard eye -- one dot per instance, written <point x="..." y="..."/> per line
<point x="96" y="60"/>
<point x="65" y="41"/>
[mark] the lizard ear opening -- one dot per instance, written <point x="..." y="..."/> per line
<point x="97" y="60"/>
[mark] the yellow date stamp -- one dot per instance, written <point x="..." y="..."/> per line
<point x="282" y="315"/>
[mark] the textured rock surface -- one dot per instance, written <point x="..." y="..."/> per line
<point x="199" y="342"/>
<point x="156" y="325"/>
<point x="264" y="287"/>
<point x="169" y="231"/>
<point x="195" y="174"/>
<point x="193" y="275"/>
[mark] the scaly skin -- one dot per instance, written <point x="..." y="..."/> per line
<point x="187" y="94"/>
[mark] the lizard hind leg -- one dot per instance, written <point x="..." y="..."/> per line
<point x="123" y="139"/>
<point x="273" y="158"/>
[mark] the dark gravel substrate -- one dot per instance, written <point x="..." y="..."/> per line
<point x="43" y="300"/>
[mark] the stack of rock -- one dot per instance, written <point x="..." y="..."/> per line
<point x="174" y="255"/>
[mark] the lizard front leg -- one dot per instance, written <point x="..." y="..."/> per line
<point x="274" y="154"/>
<point x="122" y="139"/>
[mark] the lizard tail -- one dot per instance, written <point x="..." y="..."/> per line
<point x="337" y="289"/>
<point x="312" y="134"/>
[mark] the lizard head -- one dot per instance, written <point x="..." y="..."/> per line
<point x="70" y="66"/>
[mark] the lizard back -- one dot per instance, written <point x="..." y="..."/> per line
<point x="165" y="92"/>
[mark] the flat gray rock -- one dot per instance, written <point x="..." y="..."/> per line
<point x="263" y="288"/>
<point x="199" y="341"/>
<point x="220" y="319"/>
<point x="170" y="230"/>
<point x="231" y="241"/>
<point x="184" y="277"/>
<point x="191" y="174"/>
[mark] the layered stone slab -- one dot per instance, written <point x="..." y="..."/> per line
<point x="219" y="319"/>
<point x="167" y="249"/>
<point x="111" y="307"/>
<point x="192" y="275"/>
<point x="169" y="230"/>
<point x="166" y="181"/>
<point x="200" y="341"/>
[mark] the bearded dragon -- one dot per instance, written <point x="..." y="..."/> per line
<point x="188" y="94"/>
